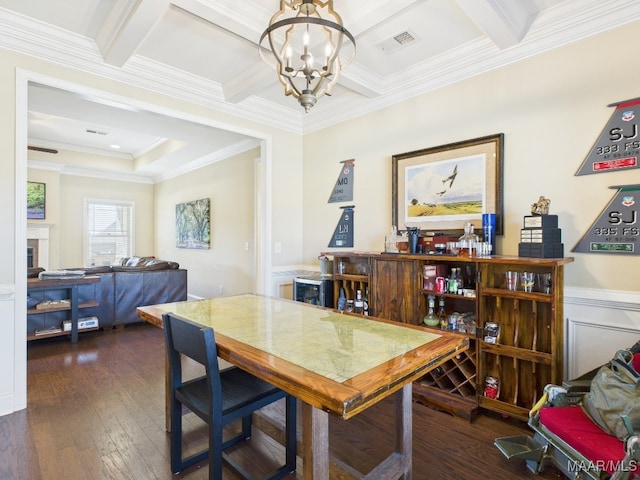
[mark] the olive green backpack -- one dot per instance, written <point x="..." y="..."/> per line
<point x="614" y="394"/>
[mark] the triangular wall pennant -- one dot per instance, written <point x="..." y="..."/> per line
<point x="618" y="146"/>
<point x="343" y="234"/>
<point x="617" y="229"/>
<point x="343" y="190"/>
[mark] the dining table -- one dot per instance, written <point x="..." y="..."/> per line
<point x="334" y="363"/>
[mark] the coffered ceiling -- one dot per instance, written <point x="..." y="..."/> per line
<point x="206" y="52"/>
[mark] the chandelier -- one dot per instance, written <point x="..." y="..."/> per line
<point x="308" y="47"/>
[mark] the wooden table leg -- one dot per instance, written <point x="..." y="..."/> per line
<point x="404" y="428"/>
<point x="315" y="442"/>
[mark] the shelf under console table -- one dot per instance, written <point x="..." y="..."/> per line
<point x="57" y="295"/>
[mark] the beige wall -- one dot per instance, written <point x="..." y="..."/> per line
<point x="74" y="190"/>
<point x="229" y="185"/>
<point x="550" y="108"/>
<point x="64" y="212"/>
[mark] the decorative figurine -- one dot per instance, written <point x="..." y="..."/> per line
<point x="541" y="207"/>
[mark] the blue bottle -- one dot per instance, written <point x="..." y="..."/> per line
<point x="342" y="300"/>
<point x="489" y="230"/>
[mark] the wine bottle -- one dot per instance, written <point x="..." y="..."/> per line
<point x="358" y="305"/>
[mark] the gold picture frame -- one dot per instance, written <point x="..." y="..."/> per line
<point x="441" y="188"/>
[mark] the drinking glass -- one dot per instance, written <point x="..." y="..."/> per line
<point x="527" y="280"/>
<point x="544" y="283"/>
<point x="511" y="280"/>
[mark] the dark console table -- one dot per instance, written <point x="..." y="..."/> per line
<point x="47" y="298"/>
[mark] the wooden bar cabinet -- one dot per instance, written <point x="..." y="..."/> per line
<point x="525" y="355"/>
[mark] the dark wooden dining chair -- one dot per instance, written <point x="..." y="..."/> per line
<point x="218" y="398"/>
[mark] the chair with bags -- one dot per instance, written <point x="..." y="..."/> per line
<point x="587" y="428"/>
<point x="218" y="398"/>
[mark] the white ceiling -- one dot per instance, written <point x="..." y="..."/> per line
<point x="205" y="51"/>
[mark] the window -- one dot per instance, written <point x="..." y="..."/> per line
<point x="108" y="227"/>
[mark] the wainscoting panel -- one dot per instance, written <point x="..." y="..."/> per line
<point x="597" y="323"/>
<point x="7" y="352"/>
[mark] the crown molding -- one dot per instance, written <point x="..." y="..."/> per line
<point x="91" y="151"/>
<point x="567" y="23"/>
<point x="64" y="169"/>
<point x="38" y="39"/>
<point x="232" y="150"/>
<point x="554" y="28"/>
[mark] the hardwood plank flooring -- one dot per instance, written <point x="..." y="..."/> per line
<point x="96" y="411"/>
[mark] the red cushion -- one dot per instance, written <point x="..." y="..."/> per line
<point x="575" y="428"/>
<point x="636" y="361"/>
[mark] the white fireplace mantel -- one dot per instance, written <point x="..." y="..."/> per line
<point x="40" y="232"/>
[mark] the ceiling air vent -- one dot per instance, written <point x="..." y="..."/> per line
<point x="398" y="41"/>
<point x="41" y="149"/>
<point x="95" y="132"/>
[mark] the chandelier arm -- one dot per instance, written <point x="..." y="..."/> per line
<point x="286" y="80"/>
<point x="305" y="20"/>
<point x="318" y="21"/>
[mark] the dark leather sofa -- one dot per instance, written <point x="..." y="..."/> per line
<point x="136" y="282"/>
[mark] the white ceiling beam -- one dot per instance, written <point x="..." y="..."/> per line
<point x="236" y="18"/>
<point x="249" y="82"/>
<point x="361" y="81"/>
<point x="242" y="22"/>
<point x="126" y="27"/>
<point x="505" y="22"/>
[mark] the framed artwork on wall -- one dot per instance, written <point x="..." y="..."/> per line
<point x="442" y="188"/>
<point x="36" y="200"/>
<point x="193" y="229"/>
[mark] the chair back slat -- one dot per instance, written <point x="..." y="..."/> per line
<point x="192" y="340"/>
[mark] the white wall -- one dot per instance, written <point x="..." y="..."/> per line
<point x="551" y="109"/>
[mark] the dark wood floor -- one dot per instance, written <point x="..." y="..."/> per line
<point x="96" y="411"/>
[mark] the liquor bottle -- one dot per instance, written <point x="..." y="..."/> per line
<point x="358" y="305"/>
<point x="391" y="242"/>
<point x="365" y="307"/>
<point x="342" y="300"/>
<point x="467" y="241"/>
<point x="454" y="282"/>
<point x="430" y="319"/>
<point x="442" y="315"/>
